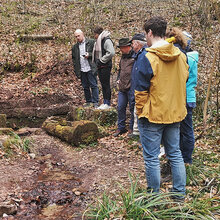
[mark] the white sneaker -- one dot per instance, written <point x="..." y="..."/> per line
<point x="101" y="106"/>
<point x="104" y="107"/>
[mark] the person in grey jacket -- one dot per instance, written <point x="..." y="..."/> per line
<point x="102" y="54"/>
<point x="84" y="68"/>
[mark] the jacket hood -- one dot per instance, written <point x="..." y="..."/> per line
<point x="166" y="52"/>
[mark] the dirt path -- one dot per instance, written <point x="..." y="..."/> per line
<point x="61" y="181"/>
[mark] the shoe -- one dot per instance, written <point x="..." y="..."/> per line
<point x="101" y="106"/>
<point x="177" y="197"/>
<point x="95" y="105"/>
<point x="119" y="132"/>
<point x="133" y="136"/>
<point x="87" y="104"/>
<point x="104" y="107"/>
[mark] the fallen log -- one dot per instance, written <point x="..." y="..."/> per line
<point x="75" y="133"/>
<point x="36" y="37"/>
<point x="103" y="117"/>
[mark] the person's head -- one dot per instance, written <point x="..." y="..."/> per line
<point x="155" y="29"/>
<point x="138" y="41"/>
<point x="124" y="45"/>
<point x="79" y="35"/>
<point x="97" y="31"/>
<point x="179" y="36"/>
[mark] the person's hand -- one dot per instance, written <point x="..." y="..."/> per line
<point x="86" y="55"/>
<point x="117" y="84"/>
<point x="99" y="63"/>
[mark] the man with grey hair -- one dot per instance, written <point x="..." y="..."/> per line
<point x="84" y="68"/>
<point x="138" y="43"/>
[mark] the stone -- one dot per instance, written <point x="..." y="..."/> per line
<point x="103" y="117"/>
<point x="2" y="120"/>
<point x="8" y="209"/>
<point x="32" y="155"/>
<point x="27" y="131"/>
<point x="75" y="133"/>
<point x="77" y="193"/>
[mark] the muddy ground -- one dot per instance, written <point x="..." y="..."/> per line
<point x="59" y="181"/>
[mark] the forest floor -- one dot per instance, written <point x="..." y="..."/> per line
<point x="57" y="181"/>
<point x="61" y="181"/>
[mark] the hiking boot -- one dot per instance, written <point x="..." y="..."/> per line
<point x="133" y="136"/>
<point x="177" y="197"/>
<point x="95" y="105"/>
<point x="119" y="132"/>
<point x="87" y="104"/>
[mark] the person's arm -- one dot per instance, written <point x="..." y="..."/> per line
<point x="74" y="56"/>
<point x="119" y="71"/>
<point x="143" y="76"/>
<point x="76" y="61"/>
<point x="110" y="51"/>
<point x="90" y="48"/>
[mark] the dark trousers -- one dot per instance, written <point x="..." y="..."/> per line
<point x="89" y="81"/>
<point x="123" y="99"/>
<point x="104" y="77"/>
<point x="187" y="140"/>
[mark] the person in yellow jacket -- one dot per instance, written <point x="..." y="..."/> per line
<point x="160" y="97"/>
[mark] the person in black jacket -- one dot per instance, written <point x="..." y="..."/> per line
<point x="102" y="54"/>
<point x="85" y="69"/>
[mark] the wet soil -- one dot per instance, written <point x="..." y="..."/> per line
<point x="62" y="181"/>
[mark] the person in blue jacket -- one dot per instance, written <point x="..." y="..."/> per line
<point x="187" y="140"/>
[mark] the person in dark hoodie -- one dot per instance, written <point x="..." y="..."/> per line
<point x="124" y="83"/>
<point x="160" y="99"/>
<point x="103" y="53"/>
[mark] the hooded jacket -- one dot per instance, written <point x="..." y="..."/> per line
<point x="193" y="58"/>
<point x="103" y="50"/>
<point x="160" y="89"/>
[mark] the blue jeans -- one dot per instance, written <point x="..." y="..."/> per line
<point x="151" y="135"/>
<point x="89" y="81"/>
<point x="187" y="140"/>
<point x="123" y="99"/>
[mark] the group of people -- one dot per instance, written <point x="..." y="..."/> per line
<point x="157" y="77"/>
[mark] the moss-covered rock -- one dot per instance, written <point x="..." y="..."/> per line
<point x="103" y="117"/>
<point x="75" y="133"/>
<point x="2" y="120"/>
